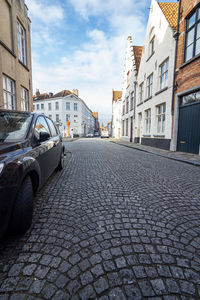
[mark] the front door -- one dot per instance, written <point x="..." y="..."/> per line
<point x="189" y="128"/>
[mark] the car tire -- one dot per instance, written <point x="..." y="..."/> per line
<point x="23" y="209"/>
<point x="61" y="162"/>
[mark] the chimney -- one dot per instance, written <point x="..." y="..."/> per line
<point x="37" y="92"/>
<point x="75" y="92"/>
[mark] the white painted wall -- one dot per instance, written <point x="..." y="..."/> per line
<point x="116" y="118"/>
<point x="164" y="48"/>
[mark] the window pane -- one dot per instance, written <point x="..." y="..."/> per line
<point x="52" y="127"/>
<point x="198" y="14"/>
<point x="159" y="123"/>
<point x="41" y="125"/>
<point x="197" y="50"/>
<point x="189" y="52"/>
<point x="191" y="20"/>
<point x="190" y="37"/>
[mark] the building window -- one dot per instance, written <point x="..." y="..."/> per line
<point x="57" y="118"/>
<point x="75" y="130"/>
<point x="192" y="41"/>
<point x="38" y="106"/>
<point x="33" y="107"/>
<point x="132" y="100"/>
<point x="75" y="118"/>
<point x="141" y="92"/>
<point x="67" y="117"/>
<point x="21" y="43"/>
<point x="57" y="105"/>
<point x="164" y="74"/>
<point x="149" y="85"/>
<point x="9" y="93"/>
<point x="160" y="116"/>
<point x="126" y="127"/>
<point x="123" y="109"/>
<point x="148" y="120"/>
<point x="67" y="105"/>
<point x="75" y="106"/>
<point x="42" y="105"/>
<point x="50" y="116"/>
<point x="151" y="46"/>
<point x="49" y="106"/>
<point x="127" y="105"/>
<point x="24" y="99"/>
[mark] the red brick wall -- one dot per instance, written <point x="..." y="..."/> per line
<point x="188" y="76"/>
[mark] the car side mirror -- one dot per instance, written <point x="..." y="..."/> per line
<point x="44" y="136"/>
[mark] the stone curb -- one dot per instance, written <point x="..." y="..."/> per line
<point x="190" y="162"/>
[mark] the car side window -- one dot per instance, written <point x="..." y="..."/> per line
<point x="41" y="125"/>
<point x="52" y="127"/>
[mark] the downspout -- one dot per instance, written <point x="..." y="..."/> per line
<point x="176" y="36"/>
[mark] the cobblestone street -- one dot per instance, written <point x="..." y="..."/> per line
<point x="115" y="223"/>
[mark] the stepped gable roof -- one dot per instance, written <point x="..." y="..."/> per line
<point x="137" y="54"/>
<point x="170" y="10"/>
<point x="117" y="95"/>
<point x="41" y="97"/>
<point x="63" y="93"/>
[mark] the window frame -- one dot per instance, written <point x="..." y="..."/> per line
<point x="49" y="106"/>
<point x="148" y="120"/>
<point x="149" y="87"/>
<point x="75" y="106"/>
<point x="24" y="99"/>
<point x="68" y="105"/>
<point x="9" y="94"/>
<point x="21" y="38"/>
<point x="164" y="63"/>
<point x="195" y="12"/>
<point x="141" y="92"/>
<point x="161" y="114"/>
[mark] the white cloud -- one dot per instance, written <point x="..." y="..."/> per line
<point x="46" y="13"/>
<point x="96" y="67"/>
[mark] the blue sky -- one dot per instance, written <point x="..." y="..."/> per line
<point x="80" y="44"/>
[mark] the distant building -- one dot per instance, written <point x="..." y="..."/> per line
<point x="109" y="128"/>
<point x="96" y="120"/>
<point x="116" y="113"/>
<point x="15" y="56"/>
<point x="67" y="110"/>
<point x="131" y="67"/>
<point x="186" y="102"/>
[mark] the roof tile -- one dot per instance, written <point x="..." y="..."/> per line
<point x="170" y="10"/>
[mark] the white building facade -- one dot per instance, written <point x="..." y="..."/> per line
<point x="70" y="113"/>
<point x="131" y="65"/>
<point x="116" y="113"/>
<point x="155" y="79"/>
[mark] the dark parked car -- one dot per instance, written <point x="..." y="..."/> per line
<point x="31" y="148"/>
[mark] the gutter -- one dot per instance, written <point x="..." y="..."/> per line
<point x="176" y="36"/>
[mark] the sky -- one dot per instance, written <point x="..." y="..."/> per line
<point x="80" y="44"/>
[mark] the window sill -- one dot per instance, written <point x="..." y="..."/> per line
<point x="189" y="61"/>
<point x="23" y="65"/>
<point x="162" y="90"/>
<point x="140" y="103"/>
<point x="146" y="135"/>
<point x="148" y="99"/>
<point x="8" y="49"/>
<point x="150" y="56"/>
<point x="159" y="135"/>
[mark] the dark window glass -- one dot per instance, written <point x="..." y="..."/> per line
<point x="52" y="127"/>
<point x="192" y="42"/>
<point x="13" y="126"/>
<point x="191" y="98"/>
<point x="41" y="125"/>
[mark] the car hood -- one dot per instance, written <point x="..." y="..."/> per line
<point x="9" y="150"/>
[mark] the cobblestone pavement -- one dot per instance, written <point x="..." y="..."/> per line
<point x="116" y="223"/>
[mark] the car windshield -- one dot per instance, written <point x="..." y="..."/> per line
<point x="13" y="126"/>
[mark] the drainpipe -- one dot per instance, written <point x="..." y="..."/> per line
<point x="176" y="36"/>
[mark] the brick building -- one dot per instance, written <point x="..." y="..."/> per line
<point x="15" y="56"/>
<point x="186" y="101"/>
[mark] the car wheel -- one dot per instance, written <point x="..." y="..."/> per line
<point x="23" y="209"/>
<point x="61" y="162"/>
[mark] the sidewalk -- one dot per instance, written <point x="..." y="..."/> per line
<point x="65" y="139"/>
<point x="189" y="158"/>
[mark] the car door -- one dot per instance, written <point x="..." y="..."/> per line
<point x="57" y="146"/>
<point x="45" y="155"/>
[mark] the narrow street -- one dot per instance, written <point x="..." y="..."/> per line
<point x="115" y="223"/>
